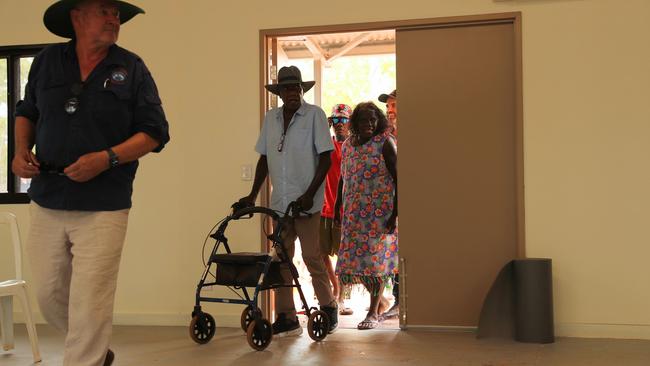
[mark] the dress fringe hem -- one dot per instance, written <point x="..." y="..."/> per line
<point x="373" y="282"/>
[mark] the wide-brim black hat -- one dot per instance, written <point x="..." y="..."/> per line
<point x="57" y="16"/>
<point x="289" y="75"/>
<point x="384" y="97"/>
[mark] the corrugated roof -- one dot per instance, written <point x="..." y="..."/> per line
<point x="374" y="42"/>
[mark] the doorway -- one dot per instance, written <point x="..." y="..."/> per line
<point x="348" y="68"/>
<point x="460" y="168"/>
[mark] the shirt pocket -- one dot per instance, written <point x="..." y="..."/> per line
<point x="301" y="140"/>
<point x="113" y="106"/>
<point x="51" y="97"/>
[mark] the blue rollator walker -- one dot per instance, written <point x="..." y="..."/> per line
<point x="240" y="271"/>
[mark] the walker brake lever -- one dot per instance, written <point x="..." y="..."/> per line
<point x="240" y="206"/>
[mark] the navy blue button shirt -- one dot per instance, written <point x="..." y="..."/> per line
<point x="117" y="100"/>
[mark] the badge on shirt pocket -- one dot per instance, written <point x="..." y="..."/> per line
<point x="119" y="76"/>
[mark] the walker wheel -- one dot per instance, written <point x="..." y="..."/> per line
<point x="248" y="315"/>
<point x="202" y="328"/>
<point x="259" y="334"/>
<point x="318" y="325"/>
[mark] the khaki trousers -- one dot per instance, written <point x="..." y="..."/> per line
<point x="307" y="230"/>
<point x="75" y="257"/>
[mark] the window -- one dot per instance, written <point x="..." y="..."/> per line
<point x="15" y="62"/>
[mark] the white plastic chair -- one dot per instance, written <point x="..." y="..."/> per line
<point x="16" y="287"/>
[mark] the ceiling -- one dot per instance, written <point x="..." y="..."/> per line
<point x="333" y="45"/>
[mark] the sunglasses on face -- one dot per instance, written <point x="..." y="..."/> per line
<point x="337" y="120"/>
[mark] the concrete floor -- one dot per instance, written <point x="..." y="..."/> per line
<point x="171" y="346"/>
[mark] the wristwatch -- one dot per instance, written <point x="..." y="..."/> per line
<point x="113" y="159"/>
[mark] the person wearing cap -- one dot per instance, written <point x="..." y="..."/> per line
<point x="330" y="229"/>
<point x="295" y="147"/>
<point x="391" y="113"/>
<point x="91" y="110"/>
<point x="391" y="109"/>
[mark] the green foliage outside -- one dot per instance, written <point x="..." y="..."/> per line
<point x="3" y="125"/>
<point x="355" y="79"/>
<point x="25" y="64"/>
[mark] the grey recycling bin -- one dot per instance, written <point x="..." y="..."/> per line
<point x="533" y="288"/>
<point x="519" y="304"/>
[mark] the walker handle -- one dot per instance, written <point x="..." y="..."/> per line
<point x="253" y="210"/>
<point x="294" y="210"/>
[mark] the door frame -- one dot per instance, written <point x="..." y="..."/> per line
<point x="267" y="46"/>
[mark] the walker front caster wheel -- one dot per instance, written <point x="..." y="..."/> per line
<point x="259" y="334"/>
<point x="318" y="325"/>
<point x="202" y="328"/>
<point x="248" y="315"/>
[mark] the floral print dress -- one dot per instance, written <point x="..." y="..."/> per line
<point x="368" y="254"/>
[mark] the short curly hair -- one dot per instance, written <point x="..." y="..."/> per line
<point x="382" y="121"/>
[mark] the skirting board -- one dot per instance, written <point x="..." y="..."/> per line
<point x="440" y="328"/>
<point x="620" y="331"/>
<point x="575" y="330"/>
<point x="578" y="330"/>
<point x="183" y="320"/>
<point x="222" y="320"/>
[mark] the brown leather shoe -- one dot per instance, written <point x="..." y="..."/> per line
<point x="110" y="356"/>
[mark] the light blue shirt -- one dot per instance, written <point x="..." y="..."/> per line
<point x="292" y="169"/>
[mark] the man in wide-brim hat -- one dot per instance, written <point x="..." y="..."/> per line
<point x="57" y="16"/>
<point x="289" y="75"/>
<point x="97" y="110"/>
<point x="295" y="147"/>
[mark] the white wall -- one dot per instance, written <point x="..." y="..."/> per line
<point x="586" y="120"/>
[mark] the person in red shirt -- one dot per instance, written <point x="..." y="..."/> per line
<point x="330" y="231"/>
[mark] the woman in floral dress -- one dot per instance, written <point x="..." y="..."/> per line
<point x="368" y="193"/>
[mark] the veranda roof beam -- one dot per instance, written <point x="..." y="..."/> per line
<point x="314" y="48"/>
<point x="349" y="46"/>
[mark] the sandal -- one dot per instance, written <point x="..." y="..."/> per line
<point x="393" y="312"/>
<point x="346" y="311"/>
<point x="368" y="324"/>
